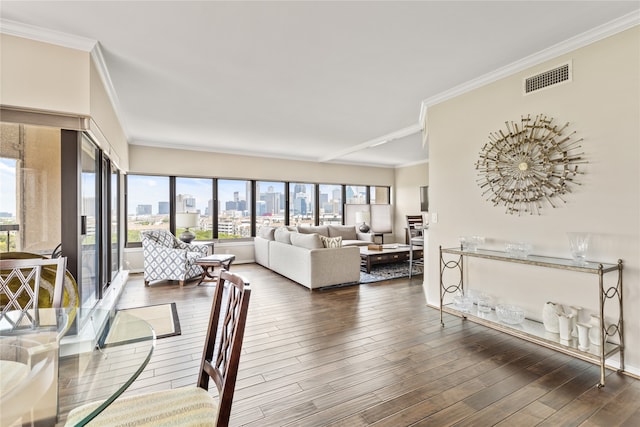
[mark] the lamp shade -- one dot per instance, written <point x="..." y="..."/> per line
<point x="362" y="217"/>
<point x="187" y="219"/>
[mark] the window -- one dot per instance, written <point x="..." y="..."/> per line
<point x="356" y="195"/>
<point x="147" y="204"/>
<point x="270" y="204"/>
<point x="196" y="195"/>
<point x="302" y="204"/>
<point x="226" y="207"/>
<point x="30" y="188"/>
<point x="380" y="195"/>
<point x="234" y="209"/>
<point x="114" y="231"/>
<point x="330" y="197"/>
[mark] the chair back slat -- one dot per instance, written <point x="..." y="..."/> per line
<point x="223" y="344"/>
<point x="20" y="283"/>
<point x="415" y="225"/>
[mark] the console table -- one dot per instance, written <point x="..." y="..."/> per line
<point x="452" y="259"/>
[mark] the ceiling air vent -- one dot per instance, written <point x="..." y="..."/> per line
<point x="555" y="76"/>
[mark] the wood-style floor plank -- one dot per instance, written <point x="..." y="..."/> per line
<point x="372" y="355"/>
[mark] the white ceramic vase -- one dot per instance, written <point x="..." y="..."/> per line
<point x="595" y="333"/>
<point x="550" y="312"/>
<point x="575" y="311"/>
<point x="565" y="325"/>
<point x="583" y="336"/>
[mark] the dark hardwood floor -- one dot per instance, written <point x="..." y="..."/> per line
<point x="376" y="355"/>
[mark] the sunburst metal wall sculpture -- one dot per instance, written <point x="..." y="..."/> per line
<point x="533" y="163"/>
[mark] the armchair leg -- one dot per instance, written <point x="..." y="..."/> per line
<point x="181" y="283"/>
<point x="146" y="283"/>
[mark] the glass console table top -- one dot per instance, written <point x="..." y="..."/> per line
<point x="544" y="261"/>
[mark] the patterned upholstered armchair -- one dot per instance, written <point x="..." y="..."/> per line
<point x="167" y="258"/>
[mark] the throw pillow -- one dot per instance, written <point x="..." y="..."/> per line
<point x="307" y="241"/>
<point x="347" y="232"/>
<point x="282" y="235"/>
<point x="331" y="242"/>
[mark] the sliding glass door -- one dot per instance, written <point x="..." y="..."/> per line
<point x="89" y="221"/>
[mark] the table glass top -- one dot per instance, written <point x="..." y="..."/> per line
<point x="100" y="373"/>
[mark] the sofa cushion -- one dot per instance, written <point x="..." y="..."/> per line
<point x="347" y="232"/>
<point x="307" y="241"/>
<point x="282" y="235"/>
<point x="331" y="242"/>
<point x="322" y="230"/>
<point x="267" y="233"/>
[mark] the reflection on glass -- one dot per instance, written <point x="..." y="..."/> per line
<point x="88" y="221"/>
<point x="380" y="195"/>
<point x="115" y="223"/>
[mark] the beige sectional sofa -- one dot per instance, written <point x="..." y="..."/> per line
<point x="300" y="253"/>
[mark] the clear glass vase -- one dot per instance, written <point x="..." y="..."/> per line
<point x="579" y="244"/>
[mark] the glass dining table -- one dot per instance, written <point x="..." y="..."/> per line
<point x="37" y="384"/>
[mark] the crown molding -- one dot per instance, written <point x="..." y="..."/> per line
<point x="401" y="133"/>
<point x="92" y="46"/>
<point x="588" y="37"/>
<point x="103" y="72"/>
<point x="32" y="32"/>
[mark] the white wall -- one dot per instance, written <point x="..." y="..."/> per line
<point x="153" y="160"/>
<point x="602" y="104"/>
<point x="42" y="76"/>
<point x="407" y="196"/>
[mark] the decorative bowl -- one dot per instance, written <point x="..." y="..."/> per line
<point x="511" y="314"/>
<point x="463" y="303"/>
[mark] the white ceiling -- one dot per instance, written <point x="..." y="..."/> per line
<point x="319" y="81"/>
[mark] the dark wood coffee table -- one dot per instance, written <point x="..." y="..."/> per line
<point x="388" y="254"/>
<point x="209" y="264"/>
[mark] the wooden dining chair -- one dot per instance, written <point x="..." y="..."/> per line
<point x="191" y="406"/>
<point x="415" y="229"/>
<point x="22" y="286"/>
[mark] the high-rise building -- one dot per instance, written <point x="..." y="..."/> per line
<point x="143" y="210"/>
<point x="272" y="200"/>
<point x="163" y="208"/>
<point x="185" y="203"/>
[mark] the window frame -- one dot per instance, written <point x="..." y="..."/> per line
<point x="251" y="204"/>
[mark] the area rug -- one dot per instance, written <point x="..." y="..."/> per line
<point x="163" y="318"/>
<point x="395" y="270"/>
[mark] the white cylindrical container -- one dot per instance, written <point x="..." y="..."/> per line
<point x="565" y="326"/>
<point x="583" y="336"/>
<point x="595" y="333"/>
